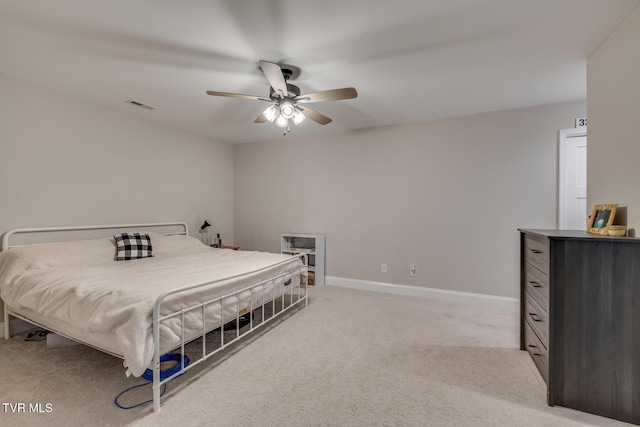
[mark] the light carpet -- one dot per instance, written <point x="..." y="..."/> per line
<point x="351" y="358"/>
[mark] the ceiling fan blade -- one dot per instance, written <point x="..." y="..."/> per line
<point x="328" y="95"/>
<point x="315" y="116"/>
<point x="273" y="73"/>
<point x="261" y="119"/>
<point x="237" y="95"/>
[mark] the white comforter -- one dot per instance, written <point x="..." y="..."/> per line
<point x="76" y="288"/>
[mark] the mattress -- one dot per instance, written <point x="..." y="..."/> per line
<point x="77" y="289"/>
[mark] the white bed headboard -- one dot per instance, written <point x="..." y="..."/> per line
<point x="181" y="226"/>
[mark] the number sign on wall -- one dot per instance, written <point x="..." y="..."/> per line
<point x="581" y="122"/>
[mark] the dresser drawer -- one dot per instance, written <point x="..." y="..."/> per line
<point x="536" y="252"/>
<point x="537" y="351"/>
<point x="537" y="318"/>
<point x="536" y="283"/>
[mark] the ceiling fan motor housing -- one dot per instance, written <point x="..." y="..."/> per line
<point x="292" y="89"/>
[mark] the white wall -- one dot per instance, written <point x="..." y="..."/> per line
<point x="68" y="162"/>
<point x="613" y="106"/>
<point x="447" y="196"/>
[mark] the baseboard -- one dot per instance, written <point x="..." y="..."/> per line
<point x="17" y="326"/>
<point x="482" y="300"/>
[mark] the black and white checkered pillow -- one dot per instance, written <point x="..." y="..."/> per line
<point x="132" y="246"/>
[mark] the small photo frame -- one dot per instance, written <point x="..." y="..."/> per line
<point x="601" y="218"/>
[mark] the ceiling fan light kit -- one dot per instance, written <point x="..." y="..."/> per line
<point x="298" y="117"/>
<point x="271" y="113"/>
<point x="282" y="121"/>
<point x="282" y="113"/>
<point x="287" y="110"/>
<point x="285" y="98"/>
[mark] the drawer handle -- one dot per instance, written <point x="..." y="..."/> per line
<point x="535" y="284"/>
<point x="535" y="317"/>
<point x="533" y="346"/>
<point x="535" y="251"/>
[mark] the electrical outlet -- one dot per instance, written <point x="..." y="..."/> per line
<point x="383" y="268"/>
<point x="413" y="270"/>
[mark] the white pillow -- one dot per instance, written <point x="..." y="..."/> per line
<point x="176" y="245"/>
<point x="13" y="261"/>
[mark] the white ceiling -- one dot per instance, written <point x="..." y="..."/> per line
<point x="410" y="60"/>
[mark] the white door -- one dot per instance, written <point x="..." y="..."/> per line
<point x="572" y="204"/>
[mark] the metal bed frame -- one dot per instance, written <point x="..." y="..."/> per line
<point x="158" y="318"/>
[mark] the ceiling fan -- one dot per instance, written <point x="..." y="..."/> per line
<point x="286" y="99"/>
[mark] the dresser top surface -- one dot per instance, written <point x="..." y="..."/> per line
<point x="575" y="234"/>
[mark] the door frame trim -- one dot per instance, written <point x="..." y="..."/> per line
<point x="563" y="136"/>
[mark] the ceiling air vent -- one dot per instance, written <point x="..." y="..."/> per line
<point x="140" y="104"/>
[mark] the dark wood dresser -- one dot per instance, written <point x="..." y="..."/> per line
<point x="580" y="319"/>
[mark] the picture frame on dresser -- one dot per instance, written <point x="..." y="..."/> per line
<point x="601" y="218"/>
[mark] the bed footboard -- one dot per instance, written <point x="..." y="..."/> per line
<point x="287" y="290"/>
